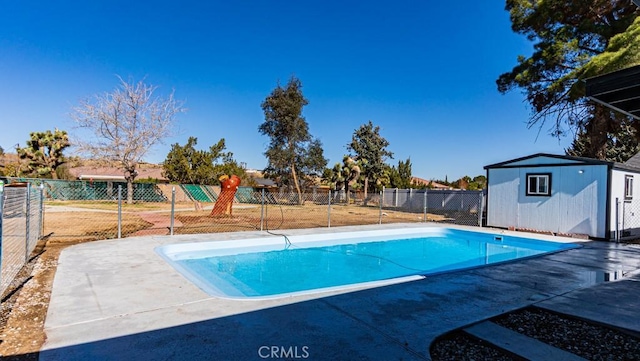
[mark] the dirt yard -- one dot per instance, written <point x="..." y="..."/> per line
<point x="24" y="304"/>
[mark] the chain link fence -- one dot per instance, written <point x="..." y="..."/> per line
<point x="448" y="206"/>
<point x="21" y="217"/>
<point x="94" y="210"/>
<point x="78" y="211"/>
<point x="627" y="215"/>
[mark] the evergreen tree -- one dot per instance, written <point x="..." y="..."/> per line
<point x="479" y="182"/>
<point x="404" y="172"/>
<point x="186" y="164"/>
<point x="574" y="40"/>
<point x="292" y="154"/>
<point x="369" y="146"/>
<point x="620" y="146"/>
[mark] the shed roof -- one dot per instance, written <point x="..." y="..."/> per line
<point x="632" y="165"/>
<point x="568" y="158"/>
<point x="634" y="161"/>
<point x="618" y="90"/>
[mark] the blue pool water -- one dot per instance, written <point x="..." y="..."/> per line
<point x="283" y="268"/>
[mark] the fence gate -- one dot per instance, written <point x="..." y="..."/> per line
<point x="630" y="222"/>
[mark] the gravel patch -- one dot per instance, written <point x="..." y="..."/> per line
<point x="459" y="345"/>
<point x="588" y="340"/>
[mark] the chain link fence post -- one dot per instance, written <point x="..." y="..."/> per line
<point x="173" y="208"/>
<point x="119" y="211"/>
<point x="41" y="211"/>
<point x="395" y="198"/>
<point x="380" y="213"/>
<point x="480" y="209"/>
<point x="27" y="223"/>
<point x="424" y="206"/>
<point x="329" y="210"/>
<point x="262" y="210"/>
<point x="617" y="235"/>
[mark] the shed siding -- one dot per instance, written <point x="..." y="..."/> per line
<point x="502" y="207"/>
<point x="583" y="200"/>
<point x="577" y="203"/>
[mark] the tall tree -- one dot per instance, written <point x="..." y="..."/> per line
<point x="398" y="176"/>
<point x="567" y="35"/>
<point x="369" y="146"/>
<point x="126" y="124"/>
<point x="292" y="152"/>
<point x="44" y="152"/>
<point x="311" y="162"/>
<point x="404" y="173"/>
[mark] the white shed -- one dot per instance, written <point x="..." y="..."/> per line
<point x="565" y="195"/>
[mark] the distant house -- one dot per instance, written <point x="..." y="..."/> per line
<point x="260" y="181"/>
<point x="429" y="183"/>
<point x="110" y="173"/>
<point x="566" y="195"/>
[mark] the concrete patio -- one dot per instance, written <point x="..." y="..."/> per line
<point x="118" y="299"/>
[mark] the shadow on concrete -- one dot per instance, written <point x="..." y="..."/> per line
<point x="312" y="330"/>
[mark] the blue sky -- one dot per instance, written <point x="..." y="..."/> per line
<point x="424" y="71"/>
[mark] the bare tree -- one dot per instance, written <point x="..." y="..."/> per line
<point x="126" y="123"/>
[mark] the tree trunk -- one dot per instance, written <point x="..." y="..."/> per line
<point x="130" y="174"/>
<point x="54" y="174"/>
<point x="346" y="192"/>
<point x="366" y="186"/>
<point x="129" y="190"/>
<point x="294" y="175"/>
<point x="598" y="129"/>
<point x="366" y="190"/>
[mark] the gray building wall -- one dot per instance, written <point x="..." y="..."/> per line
<point x="577" y="203"/>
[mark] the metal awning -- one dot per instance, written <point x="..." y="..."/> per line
<point x="619" y="90"/>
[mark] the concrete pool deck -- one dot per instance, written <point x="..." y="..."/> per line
<point x="118" y="299"/>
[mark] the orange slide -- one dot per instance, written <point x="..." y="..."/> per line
<point x="229" y="186"/>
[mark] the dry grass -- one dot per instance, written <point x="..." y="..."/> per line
<point x="113" y="206"/>
<point x="89" y="226"/>
<point x="101" y="223"/>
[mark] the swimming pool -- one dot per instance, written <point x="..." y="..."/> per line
<point x="280" y="266"/>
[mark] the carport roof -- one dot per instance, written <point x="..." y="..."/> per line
<point x="618" y="90"/>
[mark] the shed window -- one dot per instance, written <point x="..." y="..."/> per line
<point x="539" y="184"/>
<point x="628" y="187"/>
